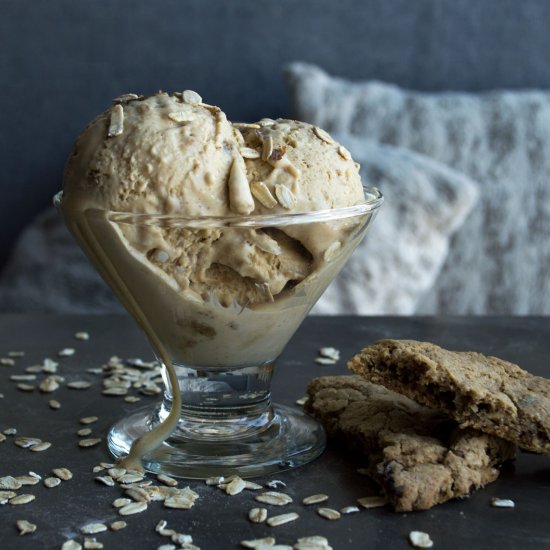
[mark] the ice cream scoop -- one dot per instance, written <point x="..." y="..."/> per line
<point x="162" y="154"/>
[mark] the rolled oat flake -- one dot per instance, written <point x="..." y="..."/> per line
<point x="419" y="539"/>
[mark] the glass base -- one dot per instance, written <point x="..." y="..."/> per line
<point x="290" y="439"/>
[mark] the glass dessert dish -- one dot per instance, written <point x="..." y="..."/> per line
<point x="218" y="341"/>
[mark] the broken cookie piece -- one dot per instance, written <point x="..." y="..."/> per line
<point x="420" y="457"/>
<point x="483" y="392"/>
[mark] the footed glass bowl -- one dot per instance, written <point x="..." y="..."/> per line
<point x="218" y="299"/>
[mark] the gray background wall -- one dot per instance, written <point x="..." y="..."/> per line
<point x="62" y="61"/>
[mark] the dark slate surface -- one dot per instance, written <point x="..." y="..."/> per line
<point x="218" y="521"/>
<point x="62" y="61"/>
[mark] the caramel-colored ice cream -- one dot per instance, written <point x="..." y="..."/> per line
<point x="176" y="156"/>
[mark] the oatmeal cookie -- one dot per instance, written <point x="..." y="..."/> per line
<point x="419" y="456"/>
<point x="482" y="392"/>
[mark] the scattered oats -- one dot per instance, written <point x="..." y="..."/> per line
<point x="71" y="545"/>
<point x="130" y="478"/>
<point x="16" y="354"/>
<point x="251" y="486"/>
<point x="181" y="116"/>
<point x="83" y="433"/>
<point x="138" y="485"/>
<point x="167" y="480"/>
<point x="275" y="521"/>
<point x="117" y="391"/>
<point x="28" y="480"/>
<point x="10" y="431"/>
<point x="22" y="499"/>
<point x="115" y="473"/>
<point x="52" y="482"/>
<point x="6" y="495"/>
<point x="95" y="371"/>
<point x="178" y="502"/>
<point x="181" y="538"/>
<point x="10" y="483"/>
<point x="25" y="387"/>
<point x="325" y="361"/>
<point x="116" y="125"/>
<point x="267" y="146"/>
<point x="7" y="362"/>
<point x="138" y="494"/>
<point x="34" y="369"/>
<point x="93" y="528"/>
<point x="2" y="438"/>
<point x="275" y="483"/>
<point x="249" y="153"/>
<point x="235" y="487"/>
<point x="315" y="542"/>
<point x="41" y="447"/>
<point x="1" y="397"/>
<point x="106" y="480"/>
<point x="82" y="336"/>
<point x="166" y="547"/>
<point x="272" y="497"/>
<point x="322" y="135"/>
<point x="372" y="502"/>
<point x="49" y="366"/>
<point x="184" y="498"/>
<point x="132" y="399"/>
<point x="329" y="513"/>
<point x="118" y="525"/>
<point x="26" y="442"/>
<point x="63" y="473"/>
<point x="349" y="510"/>
<point x="90" y="420"/>
<point x="25" y="526"/>
<point x="285" y="196"/>
<point x="161" y="525"/>
<point x="419" y="539"/>
<point x="79" y="385"/>
<point x="255" y="543"/>
<point x="331" y="353"/>
<point x="97" y="468"/>
<point x="54" y="404"/>
<point x="23" y="377"/>
<point x="120" y="502"/>
<point x="314" y="499"/>
<point x="92" y="544"/>
<point x="191" y="97"/>
<point x="344" y="153"/>
<point x="257" y="515"/>
<point x="151" y="389"/>
<point x="132" y="508"/>
<point x="167" y="532"/>
<point x="66" y="352"/>
<point x="261" y="192"/>
<point x="302" y="401"/>
<point x="215" y="480"/>
<point x="502" y="503"/>
<point x="106" y="465"/>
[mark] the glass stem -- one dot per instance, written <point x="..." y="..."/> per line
<point x="221" y="402"/>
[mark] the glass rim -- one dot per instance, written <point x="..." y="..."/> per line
<point x="373" y="200"/>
